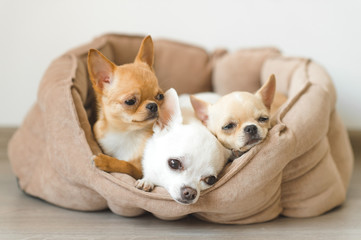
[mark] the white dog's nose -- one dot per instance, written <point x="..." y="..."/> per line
<point x="188" y="194"/>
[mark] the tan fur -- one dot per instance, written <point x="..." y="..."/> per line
<point x="114" y="87"/>
<point x="241" y="109"/>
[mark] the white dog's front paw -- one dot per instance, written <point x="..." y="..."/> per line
<point x="144" y="185"/>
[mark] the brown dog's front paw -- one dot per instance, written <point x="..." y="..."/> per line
<point x="111" y="164"/>
<point x="101" y="162"/>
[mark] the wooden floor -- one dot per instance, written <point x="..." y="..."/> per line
<point x="24" y="217"/>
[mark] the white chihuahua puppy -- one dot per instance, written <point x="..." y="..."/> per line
<point x="183" y="158"/>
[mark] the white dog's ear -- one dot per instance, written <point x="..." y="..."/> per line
<point x="201" y="109"/>
<point x="267" y="91"/>
<point x="170" y="113"/>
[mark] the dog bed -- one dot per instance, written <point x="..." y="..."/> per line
<point x="302" y="169"/>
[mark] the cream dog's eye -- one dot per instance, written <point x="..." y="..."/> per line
<point x="130" y="102"/>
<point x="175" y="164"/>
<point x="229" y="126"/>
<point x="263" y="119"/>
<point x="210" y="180"/>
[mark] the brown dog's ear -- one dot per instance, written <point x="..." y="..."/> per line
<point x="201" y="109"/>
<point x="267" y="91"/>
<point x="100" y="69"/>
<point x="146" y="52"/>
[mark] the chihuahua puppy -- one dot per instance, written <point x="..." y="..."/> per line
<point x="128" y="98"/>
<point x="240" y="120"/>
<point x="183" y="158"/>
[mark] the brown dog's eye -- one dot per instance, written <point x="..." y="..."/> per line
<point x="131" y="102"/>
<point x="160" y="96"/>
<point x="263" y="119"/>
<point x="229" y="126"/>
<point x="175" y="164"/>
<point x="210" y="180"/>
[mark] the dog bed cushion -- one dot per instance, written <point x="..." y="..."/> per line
<point x="302" y="169"/>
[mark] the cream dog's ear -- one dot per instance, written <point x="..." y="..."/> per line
<point x="101" y="70"/>
<point x="201" y="109"/>
<point x="267" y="91"/>
<point x="146" y="52"/>
<point x="170" y="113"/>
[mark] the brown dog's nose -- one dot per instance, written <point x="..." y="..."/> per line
<point x="251" y="129"/>
<point x="152" y="107"/>
<point x="188" y="193"/>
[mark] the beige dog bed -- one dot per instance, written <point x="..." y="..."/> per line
<point x="302" y="169"/>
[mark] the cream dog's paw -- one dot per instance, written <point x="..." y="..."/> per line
<point x="144" y="185"/>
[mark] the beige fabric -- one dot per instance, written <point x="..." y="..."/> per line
<point x="302" y="169"/>
<point x="240" y="71"/>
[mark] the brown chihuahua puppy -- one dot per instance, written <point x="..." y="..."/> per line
<point x="128" y="98"/>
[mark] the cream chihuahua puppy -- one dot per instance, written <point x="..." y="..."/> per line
<point x="240" y="120"/>
<point x="183" y="158"/>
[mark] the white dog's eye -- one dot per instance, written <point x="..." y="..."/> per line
<point x="175" y="164"/>
<point x="210" y="180"/>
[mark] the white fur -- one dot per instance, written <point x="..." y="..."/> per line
<point x="210" y="97"/>
<point x="199" y="151"/>
<point x="122" y="145"/>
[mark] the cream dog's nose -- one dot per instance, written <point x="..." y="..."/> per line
<point x="251" y="129"/>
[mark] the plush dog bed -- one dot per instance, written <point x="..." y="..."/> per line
<point x="302" y="169"/>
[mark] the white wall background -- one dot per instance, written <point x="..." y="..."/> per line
<point x="33" y="33"/>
